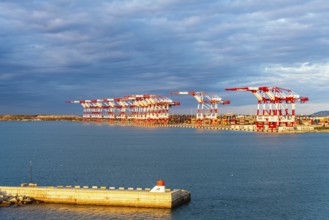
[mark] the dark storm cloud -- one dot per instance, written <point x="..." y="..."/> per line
<point x="57" y="50"/>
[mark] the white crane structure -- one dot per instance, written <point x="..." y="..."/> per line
<point x="152" y="109"/>
<point x="207" y="108"/>
<point x="276" y="106"/>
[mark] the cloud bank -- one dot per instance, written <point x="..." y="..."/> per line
<point x="56" y="50"/>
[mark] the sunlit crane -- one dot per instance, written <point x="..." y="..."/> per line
<point x="146" y="109"/>
<point x="276" y="106"/>
<point x="207" y="105"/>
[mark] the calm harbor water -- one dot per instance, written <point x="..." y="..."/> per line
<point x="230" y="174"/>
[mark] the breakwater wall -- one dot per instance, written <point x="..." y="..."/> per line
<point x="101" y="196"/>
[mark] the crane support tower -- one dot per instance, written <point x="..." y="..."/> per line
<point x="276" y="106"/>
<point x="207" y="109"/>
<point x="141" y="109"/>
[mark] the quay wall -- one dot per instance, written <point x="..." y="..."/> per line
<point x="248" y="128"/>
<point x="132" y="198"/>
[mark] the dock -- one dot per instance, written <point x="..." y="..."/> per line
<point x="158" y="197"/>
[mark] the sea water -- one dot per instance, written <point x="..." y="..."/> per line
<point x="230" y="174"/>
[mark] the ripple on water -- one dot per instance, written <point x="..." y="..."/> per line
<point x="63" y="211"/>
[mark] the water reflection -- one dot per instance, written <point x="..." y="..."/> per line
<point x="57" y="211"/>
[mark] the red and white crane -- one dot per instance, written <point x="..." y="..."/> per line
<point x="149" y="109"/>
<point x="92" y="109"/>
<point x="109" y="109"/>
<point x="276" y="106"/>
<point x="207" y="105"/>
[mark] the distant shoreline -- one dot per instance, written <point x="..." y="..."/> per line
<point x="77" y="118"/>
<point x="40" y="118"/>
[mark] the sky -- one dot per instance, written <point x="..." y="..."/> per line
<point x="57" y="50"/>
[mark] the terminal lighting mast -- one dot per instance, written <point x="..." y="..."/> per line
<point x="207" y="105"/>
<point x="276" y="106"/>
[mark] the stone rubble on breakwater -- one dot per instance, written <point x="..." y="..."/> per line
<point x="9" y="200"/>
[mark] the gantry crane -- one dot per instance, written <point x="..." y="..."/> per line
<point x="207" y="105"/>
<point x="149" y="109"/>
<point x="92" y="109"/>
<point x="276" y="106"/>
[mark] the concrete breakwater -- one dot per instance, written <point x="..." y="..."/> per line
<point x="132" y="197"/>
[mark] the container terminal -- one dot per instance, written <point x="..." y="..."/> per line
<point x="276" y="111"/>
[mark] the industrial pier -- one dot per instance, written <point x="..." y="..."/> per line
<point x="158" y="197"/>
